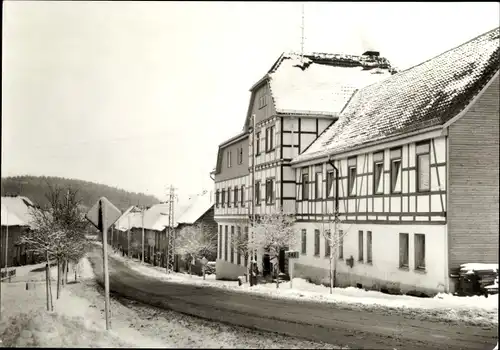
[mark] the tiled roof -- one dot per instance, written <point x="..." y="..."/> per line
<point x="322" y="83"/>
<point x="423" y="96"/>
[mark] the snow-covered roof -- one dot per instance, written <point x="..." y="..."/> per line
<point x="10" y="219"/>
<point x="322" y="83"/>
<point x="423" y="96"/>
<point x="19" y="206"/>
<point x="469" y="268"/>
<point x="197" y="206"/>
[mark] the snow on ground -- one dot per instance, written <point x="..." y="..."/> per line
<point x="75" y="322"/>
<point x="473" y="309"/>
<point x="32" y="272"/>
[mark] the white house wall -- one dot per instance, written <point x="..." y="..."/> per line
<point x="384" y="270"/>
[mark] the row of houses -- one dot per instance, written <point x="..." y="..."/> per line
<point x="409" y="158"/>
<point x="126" y="233"/>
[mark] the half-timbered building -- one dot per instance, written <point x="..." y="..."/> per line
<point x="416" y="157"/>
<point x="295" y="101"/>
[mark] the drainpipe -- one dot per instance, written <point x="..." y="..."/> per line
<point x="335" y="258"/>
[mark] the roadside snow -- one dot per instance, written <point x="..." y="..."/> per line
<point x="305" y="290"/>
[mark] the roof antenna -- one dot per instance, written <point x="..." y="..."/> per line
<point x="302" y="37"/>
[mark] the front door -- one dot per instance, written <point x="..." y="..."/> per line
<point x="266" y="265"/>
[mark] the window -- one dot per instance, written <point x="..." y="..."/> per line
<point x="269" y="191"/>
<point x="242" y="196"/>
<point x="396" y="170"/>
<point x="223" y="200"/>
<point x="423" y="166"/>
<point x="237" y="245"/>
<point x="304" y="241"/>
<point x="229" y="192"/>
<point x="245" y="237"/>
<point x="330" y="184"/>
<point x="232" y="245"/>
<point x="217" y="199"/>
<point x="240" y="155"/>
<point x="316" y="242"/>
<point x="220" y="241"/>
<point x="225" y="243"/>
<point x="341" y="244"/>
<point x="257" y="192"/>
<point x="419" y="251"/>
<point x="360" y="246"/>
<point x="305" y="185"/>
<point x="229" y="159"/>
<point x="270" y="138"/>
<point x="327" y="243"/>
<point x="368" y="246"/>
<point x="235" y="196"/>
<point x="378" y="173"/>
<point x="318" y="186"/>
<point x="352" y="176"/>
<point x="257" y="144"/>
<point x="403" y="250"/>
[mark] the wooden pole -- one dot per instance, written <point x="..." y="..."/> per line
<point x="128" y="237"/>
<point x="142" y="255"/>
<point x="105" y="263"/>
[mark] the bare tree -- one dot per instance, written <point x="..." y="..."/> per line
<point x="273" y="233"/>
<point x="59" y="231"/>
<point x="334" y="242"/>
<point x="194" y="242"/>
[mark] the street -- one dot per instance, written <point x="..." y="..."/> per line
<point x="309" y="320"/>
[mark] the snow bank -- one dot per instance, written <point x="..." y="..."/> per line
<point x="85" y="270"/>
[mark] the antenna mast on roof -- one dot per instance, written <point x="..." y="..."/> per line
<point x="302" y="37"/>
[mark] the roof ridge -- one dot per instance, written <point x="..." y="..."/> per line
<point x="453" y="48"/>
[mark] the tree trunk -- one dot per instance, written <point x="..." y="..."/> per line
<point x="47" y="284"/>
<point x="331" y="270"/>
<point x="66" y="273"/>
<point x="63" y="272"/>
<point x="58" y="278"/>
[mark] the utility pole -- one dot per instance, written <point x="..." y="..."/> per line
<point x="302" y="37"/>
<point x="170" y="256"/>
<point x="128" y="236"/>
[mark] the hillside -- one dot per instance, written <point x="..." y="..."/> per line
<point x="35" y="188"/>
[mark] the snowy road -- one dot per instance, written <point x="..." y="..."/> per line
<point x="313" y="321"/>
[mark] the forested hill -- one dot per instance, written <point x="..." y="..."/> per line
<point x="35" y="188"/>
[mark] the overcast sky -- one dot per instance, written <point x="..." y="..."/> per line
<point x="139" y="95"/>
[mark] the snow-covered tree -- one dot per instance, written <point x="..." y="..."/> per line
<point x="59" y="230"/>
<point x="195" y="241"/>
<point x="273" y="233"/>
<point x="334" y="238"/>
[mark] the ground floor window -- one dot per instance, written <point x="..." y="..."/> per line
<point x="225" y="243"/>
<point x="368" y="246"/>
<point x="419" y="251"/>
<point x="403" y="250"/>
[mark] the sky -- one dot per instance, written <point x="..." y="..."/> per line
<point x="139" y="95"/>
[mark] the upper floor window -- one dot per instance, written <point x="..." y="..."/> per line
<point x="217" y="198"/>
<point x="257" y="192"/>
<point x="229" y="159"/>
<point x="318" y="186"/>
<point x="257" y="143"/>
<point x="330" y="184"/>
<point x="378" y="173"/>
<point x="236" y="196"/>
<point x="269" y="191"/>
<point x="423" y="166"/>
<point x="305" y="184"/>
<point x="229" y="197"/>
<point x="270" y="138"/>
<point x="242" y="196"/>
<point x="240" y="155"/>
<point x="351" y="171"/>
<point x="396" y="170"/>
<point x="223" y="199"/>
